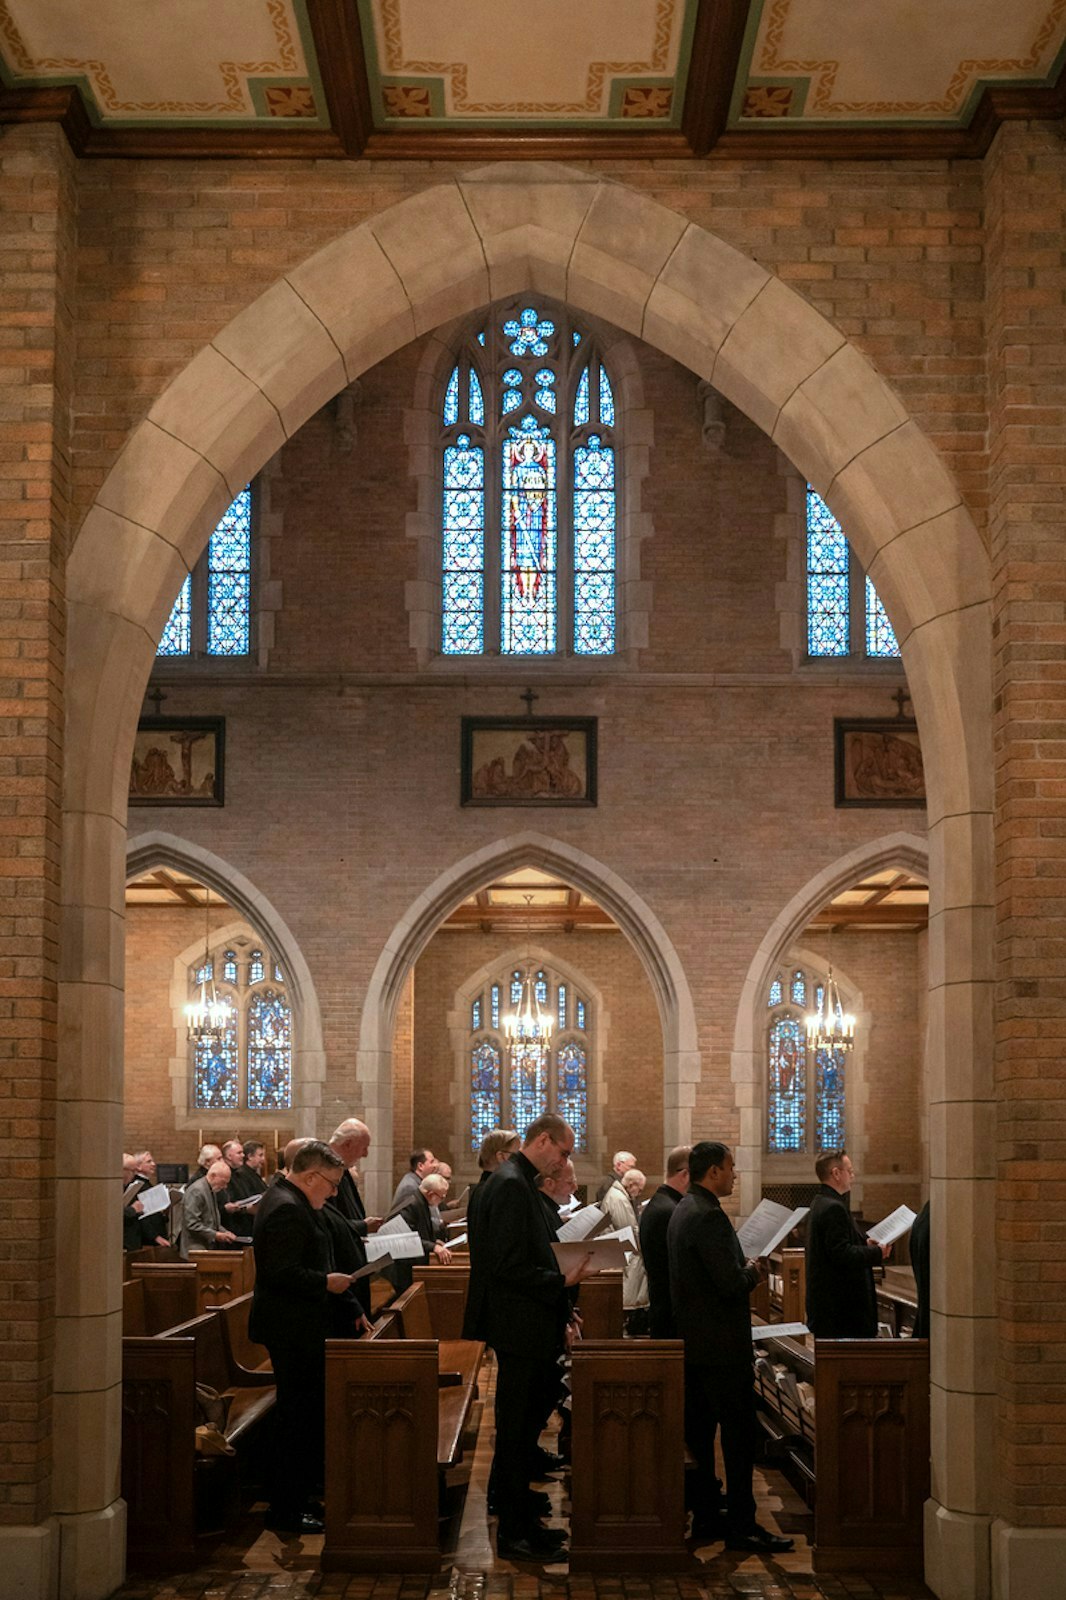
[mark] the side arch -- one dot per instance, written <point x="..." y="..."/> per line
<point x="905" y="850"/>
<point x="159" y="849"/>
<point x="640" y="925"/>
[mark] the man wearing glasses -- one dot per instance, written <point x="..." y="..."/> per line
<point x="290" y="1305"/>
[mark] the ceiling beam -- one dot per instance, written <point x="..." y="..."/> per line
<point x="872" y="916"/>
<point x="517" y="919"/>
<point x="717" y="41"/>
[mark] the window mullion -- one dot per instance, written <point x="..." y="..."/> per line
<point x="198" y="606"/>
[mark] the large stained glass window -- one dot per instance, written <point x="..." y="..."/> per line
<point x="213" y="612"/>
<point x="251" y="1068"/>
<point x="805" y="1089"/>
<point x="845" y="615"/>
<point x="512" y="1088"/>
<point x="528" y="446"/>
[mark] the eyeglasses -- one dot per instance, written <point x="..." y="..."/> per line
<point x="318" y="1172"/>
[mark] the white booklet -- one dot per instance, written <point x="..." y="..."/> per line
<point x="584" y="1224"/>
<point x="769" y="1223"/>
<point x="624" y="1236"/>
<point x="154" y="1199"/>
<point x="403" y="1245"/>
<point x="607" y="1254"/>
<point x="780" y="1330"/>
<point x="893" y="1227"/>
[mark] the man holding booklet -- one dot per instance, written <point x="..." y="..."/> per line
<point x="841" y="1298"/>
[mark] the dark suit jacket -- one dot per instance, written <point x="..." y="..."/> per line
<point x="551" y="1211"/>
<point x="920" y="1263"/>
<point x="243" y="1183"/>
<point x="517" y="1300"/>
<point x="654" y="1222"/>
<point x="473" y="1208"/>
<point x="347" y="1204"/>
<point x="710" y="1286"/>
<point x="841" y="1300"/>
<point x="292" y="1253"/>
<point x="416" y="1213"/>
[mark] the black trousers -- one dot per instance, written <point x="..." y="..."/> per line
<point x="722" y="1398"/>
<point x="299" y="1425"/>
<point x="521" y="1389"/>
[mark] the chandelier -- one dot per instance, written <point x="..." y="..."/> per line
<point x="830" y="1027"/>
<point x="207" y="1016"/>
<point x="528" y="1027"/>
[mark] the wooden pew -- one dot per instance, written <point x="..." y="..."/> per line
<point x="159" y="1420"/>
<point x="388" y="1398"/>
<point x="133" y="1309"/>
<point x="169" y="1293"/>
<point x="627" y="1487"/>
<point x="222" y="1275"/>
<point x="242" y="1354"/>
<point x="446" y="1289"/>
<point x="600" y="1304"/>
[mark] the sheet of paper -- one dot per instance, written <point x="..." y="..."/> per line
<point x="460" y="1239"/>
<point x="371" y="1267"/>
<point x="394" y="1225"/>
<point x="246" y="1205"/>
<point x="624" y="1236"/>
<point x="780" y="1330"/>
<point x="155" y="1199"/>
<point x="768" y="1224"/>
<point x="607" y="1254"/>
<point x="584" y="1224"/>
<point x="405" y="1246"/>
<point x="893" y="1227"/>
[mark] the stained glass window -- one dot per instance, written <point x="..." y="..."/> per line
<point x="269" y="1053"/>
<point x="829" y="1100"/>
<point x="256" y="970"/>
<point x="511" y="393"/>
<point x="799" y="989"/>
<point x="787" y="1087"/>
<point x="212" y="614"/>
<point x="512" y="1086"/>
<point x="572" y="1091"/>
<point x="775" y="993"/>
<point x="229" y="966"/>
<point x="485" y="1109"/>
<point x="843" y="616"/>
<point x="205" y="972"/>
<point x="216" y="1083"/>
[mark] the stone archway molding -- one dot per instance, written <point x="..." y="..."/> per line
<point x="613" y="253"/>
<point x="640" y="925"/>
<point x="159" y="849"/>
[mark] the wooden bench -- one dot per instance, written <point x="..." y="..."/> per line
<point x="862" y="1458"/>
<point x="627" y="1486"/>
<point x="170" y="1293"/>
<point x="159" y="1420"/>
<point x="446" y="1289"/>
<point x="599" y="1301"/>
<point x="222" y="1275"/>
<point x="388" y="1398"/>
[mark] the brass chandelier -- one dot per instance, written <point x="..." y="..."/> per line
<point x="208" y="1016"/>
<point x="528" y="1026"/>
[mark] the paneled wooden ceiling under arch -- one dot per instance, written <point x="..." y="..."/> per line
<point x="484" y="79"/>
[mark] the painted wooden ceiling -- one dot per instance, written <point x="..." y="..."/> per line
<point x="406" y="78"/>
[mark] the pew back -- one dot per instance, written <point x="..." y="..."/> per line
<point x="159" y="1450"/>
<point x="411" y="1311"/>
<point x="600" y="1304"/>
<point x="222" y="1275"/>
<point x="446" y="1290"/>
<point x="133" y="1309"/>
<point x="169" y="1293"/>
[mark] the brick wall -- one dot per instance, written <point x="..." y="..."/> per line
<point x="38" y="219"/>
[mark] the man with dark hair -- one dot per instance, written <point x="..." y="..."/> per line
<point x="290" y="1315"/>
<point x="247" y="1179"/>
<point x="710" y="1286"/>
<point x="654" y="1221"/>
<point x="420" y="1164"/>
<point x="517" y="1303"/>
<point x="841" y="1298"/>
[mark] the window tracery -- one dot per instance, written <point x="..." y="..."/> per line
<point x="251" y="1066"/>
<point x="212" y="614"/>
<point x="799" y="1079"/>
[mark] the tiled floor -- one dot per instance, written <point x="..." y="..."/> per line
<point x="256" y="1565"/>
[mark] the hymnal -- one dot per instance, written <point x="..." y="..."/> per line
<point x="893" y="1227"/>
<point x="768" y="1224"/>
<point x="607" y="1254"/>
<point x="584" y="1224"/>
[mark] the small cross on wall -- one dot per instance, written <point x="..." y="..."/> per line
<point x="901" y="697"/>
<point x="529" y="697"/>
<point x="157" y="697"/>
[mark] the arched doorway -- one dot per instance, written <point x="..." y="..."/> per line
<point x="613" y="253"/>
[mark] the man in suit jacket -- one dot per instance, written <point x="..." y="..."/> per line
<point x="351" y="1141"/>
<point x="495" y="1149"/>
<point x="418" y="1215"/>
<point x="294" y="1279"/>
<point x="517" y="1303"/>
<point x="420" y="1164"/>
<point x="201" y="1225"/>
<point x="624" y="1161"/>
<point x="710" y="1286"/>
<point x="654" y="1221"/>
<point x="841" y="1299"/>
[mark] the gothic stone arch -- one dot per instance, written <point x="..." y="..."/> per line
<point x="613" y="253"/>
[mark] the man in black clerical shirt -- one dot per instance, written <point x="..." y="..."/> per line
<point x="654" y="1221"/>
<point x="841" y="1298"/>
<point x="710" y="1286"/>
<point x="351" y="1141"/>
<point x="517" y="1303"/>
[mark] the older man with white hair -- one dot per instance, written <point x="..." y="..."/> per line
<point x="201" y="1225"/>
<point x="623" y="1161"/>
<point x="417" y="1214"/>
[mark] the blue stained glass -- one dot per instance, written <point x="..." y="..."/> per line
<point x="485" y="1105"/>
<point x="572" y="1091"/>
<point x="477" y="401"/>
<point x="799" y="989"/>
<point x="581" y="1015"/>
<point x="594" y="549"/>
<point x="787" y="1086"/>
<point x="828" y="621"/>
<point x="279" y="976"/>
<point x="581" y="400"/>
<point x="451" y="400"/>
<point x="529" y="333"/>
<point x="495" y="1005"/>
<point x="545" y="399"/>
<point x="475" y="1016"/>
<point x="256" y="970"/>
<point x="516" y="988"/>
<point x="775" y="993"/>
<point x="481" y="338"/>
<point x="562" y="1005"/>
<point x="819" y="997"/>
<point x="463" y="600"/>
<point x="215" y="1080"/>
<point x="512" y="399"/>
<point x="528" y="1085"/>
<point x="513" y="378"/>
<point x="177" y="635"/>
<point x="229" y="966"/>
<point x="269" y="1053"/>
<point x="880" y="635"/>
<point x="606" y="400"/>
<point x="528" y="549"/>
<point x="206" y="972"/>
<point x="829" y="1099"/>
<point x="229" y="580"/>
<point x="545" y="377"/>
<point x="576" y="338"/>
<point x="540" y="989"/>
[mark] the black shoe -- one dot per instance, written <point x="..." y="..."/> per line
<point x="535" y="1545"/>
<point x="545" y="1461"/>
<point x="759" y="1542"/>
<point x="296" y="1526"/>
<point x="537" y="1502"/>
